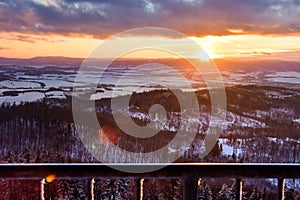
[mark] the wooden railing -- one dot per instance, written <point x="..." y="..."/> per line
<point x="188" y="172"/>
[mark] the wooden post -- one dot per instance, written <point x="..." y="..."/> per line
<point x="280" y="189"/>
<point x="190" y="188"/>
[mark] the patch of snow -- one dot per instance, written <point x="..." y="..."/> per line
<point x="18" y="84"/>
<point x="22" y="97"/>
<point x="284" y="77"/>
<point x="227" y="150"/>
<point x="56" y="83"/>
<point x="56" y="95"/>
<point x="297" y="121"/>
<point x="140" y="116"/>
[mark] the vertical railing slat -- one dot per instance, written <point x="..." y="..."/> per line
<point x="239" y="189"/>
<point x="139" y="188"/>
<point x="42" y="189"/>
<point x="92" y="188"/>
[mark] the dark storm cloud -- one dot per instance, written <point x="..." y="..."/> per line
<point x="101" y="18"/>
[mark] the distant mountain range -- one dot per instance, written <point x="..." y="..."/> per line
<point x="222" y="64"/>
<point x="257" y="65"/>
<point x="51" y="60"/>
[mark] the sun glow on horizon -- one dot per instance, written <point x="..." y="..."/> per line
<point x="240" y="46"/>
<point x="19" y="45"/>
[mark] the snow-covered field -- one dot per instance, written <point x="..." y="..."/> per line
<point x="22" y="97"/>
<point x="16" y="84"/>
<point x="124" y="80"/>
<point x="284" y="77"/>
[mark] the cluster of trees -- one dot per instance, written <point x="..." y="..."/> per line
<point x="19" y="189"/>
<point x="43" y="132"/>
<point x="155" y="189"/>
<point x="38" y="133"/>
<point x="226" y="192"/>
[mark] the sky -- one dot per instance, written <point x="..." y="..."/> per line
<point x="224" y="28"/>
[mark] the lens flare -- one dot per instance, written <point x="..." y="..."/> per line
<point x="50" y="178"/>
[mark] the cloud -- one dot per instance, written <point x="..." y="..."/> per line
<point x="101" y="18"/>
<point x="3" y="48"/>
<point x="29" y="38"/>
<point x="255" y="53"/>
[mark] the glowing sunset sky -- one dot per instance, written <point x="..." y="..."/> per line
<point x="224" y="28"/>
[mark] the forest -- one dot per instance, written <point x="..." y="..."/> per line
<point x="261" y="126"/>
